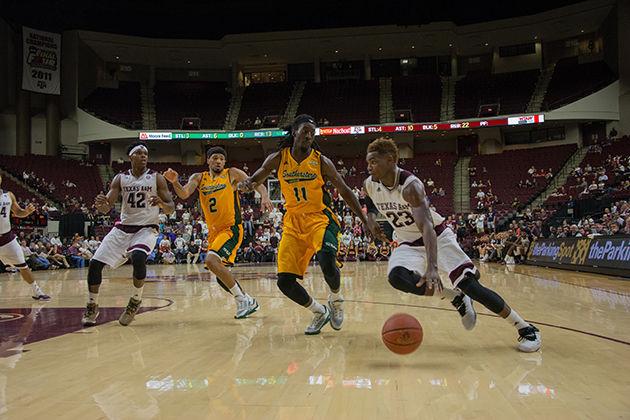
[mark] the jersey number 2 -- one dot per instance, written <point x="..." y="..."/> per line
<point x="212" y="205"/>
<point x="137" y="200"/>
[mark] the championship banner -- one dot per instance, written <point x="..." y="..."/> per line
<point x="41" y="61"/>
<point x="601" y="252"/>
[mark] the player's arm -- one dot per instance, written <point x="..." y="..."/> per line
<point x="272" y="162"/>
<point x="19" y="211"/>
<point x="330" y="173"/>
<point x="237" y="175"/>
<point x="187" y="190"/>
<point x="415" y="195"/>
<point x="164" y="199"/>
<point x="104" y="203"/>
<point x="372" y="214"/>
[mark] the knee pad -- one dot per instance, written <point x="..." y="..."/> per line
<point x="288" y="285"/>
<point x="95" y="272"/>
<point x="405" y="280"/>
<point x="139" y="261"/>
<point x="477" y="292"/>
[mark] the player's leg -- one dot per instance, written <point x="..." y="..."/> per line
<point x="110" y="252"/>
<point x="293" y="258"/>
<point x="406" y="265"/>
<point x="465" y="276"/>
<point x="141" y="245"/>
<point x="11" y="254"/>
<point x="222" y="251"/>
<point x="327" y="257"/>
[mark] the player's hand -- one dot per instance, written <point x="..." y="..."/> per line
<point x="154" y="200"/>
<point x="432" y="280"/>
<point x="29" y="209"/>
<point x="266" y="204"/>
<point x="376" y="231"/>
<point x="171" y="175"/>
<point x="102" y="203"/>
<point x="246" y="185"/>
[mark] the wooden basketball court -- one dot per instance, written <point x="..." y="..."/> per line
<point x="186" y="357"/>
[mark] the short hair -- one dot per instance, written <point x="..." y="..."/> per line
<point x="134" y="144"/>
<point x="384" y="146"/>
<point x="216" y="149"/>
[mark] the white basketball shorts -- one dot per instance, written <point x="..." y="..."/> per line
<point x="118" y="245"/>
<point x="450" y="258"/>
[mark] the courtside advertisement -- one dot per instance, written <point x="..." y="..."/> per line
<point x="601" y="252"/>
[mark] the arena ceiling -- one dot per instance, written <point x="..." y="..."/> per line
<point x="213" y="19"/>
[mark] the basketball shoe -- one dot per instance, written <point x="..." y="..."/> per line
<point x="130" y="312"/>
<point x="245" y="306"/>
<point x="38" y="294"/>
<point x="336" y="313"/>
<point x="318" y="322"/>
<point x="90" y="315"/>
<point x="464" y="306"/>
<point x="529" y="339"/>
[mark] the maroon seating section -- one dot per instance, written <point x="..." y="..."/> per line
<point x="511" y="90"/>
<point x="506" y="169"/>
<point x="120" y="106"/>
<point x="175" y="100"/>
<point x="597" y="160"/>
<point x="422" y="94"/>
<point x="342" y="102"/>
<point x="260" y="100"/>
<point x="572" y="81"/>
<point x="53" y="169"/>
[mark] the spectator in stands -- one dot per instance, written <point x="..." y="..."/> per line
<point x="168" y="257"/>
<point x="55" y="256"/>
<point x="193" y="252"/>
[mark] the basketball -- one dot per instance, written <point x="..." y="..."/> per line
<point x="402" y="333"/>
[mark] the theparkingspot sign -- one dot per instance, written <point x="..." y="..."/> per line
<point x="608" y="252"/>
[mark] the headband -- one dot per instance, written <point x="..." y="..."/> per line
<point x="138" y="147"/>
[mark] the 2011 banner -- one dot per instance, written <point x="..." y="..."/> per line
<point x="41" y="61"/>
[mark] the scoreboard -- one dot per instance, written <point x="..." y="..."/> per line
<point x="347" y="130"/>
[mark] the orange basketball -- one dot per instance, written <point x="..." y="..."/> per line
<point x="402" y="333"/>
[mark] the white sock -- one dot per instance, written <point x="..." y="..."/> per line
<point x="515" y="319"/>
<point x="236" y="291"/>
<point x="36" y="289"/>
<point x="335" y="296"/>
<point x="93" y="298"/>
<point x="138" y="292"/>
<point x="316" y="307"/>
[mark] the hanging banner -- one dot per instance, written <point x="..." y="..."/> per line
<point x="41" y="61"/>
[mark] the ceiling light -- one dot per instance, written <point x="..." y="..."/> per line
<point x="380" y="48"/>
<point x="413" y="46"/>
